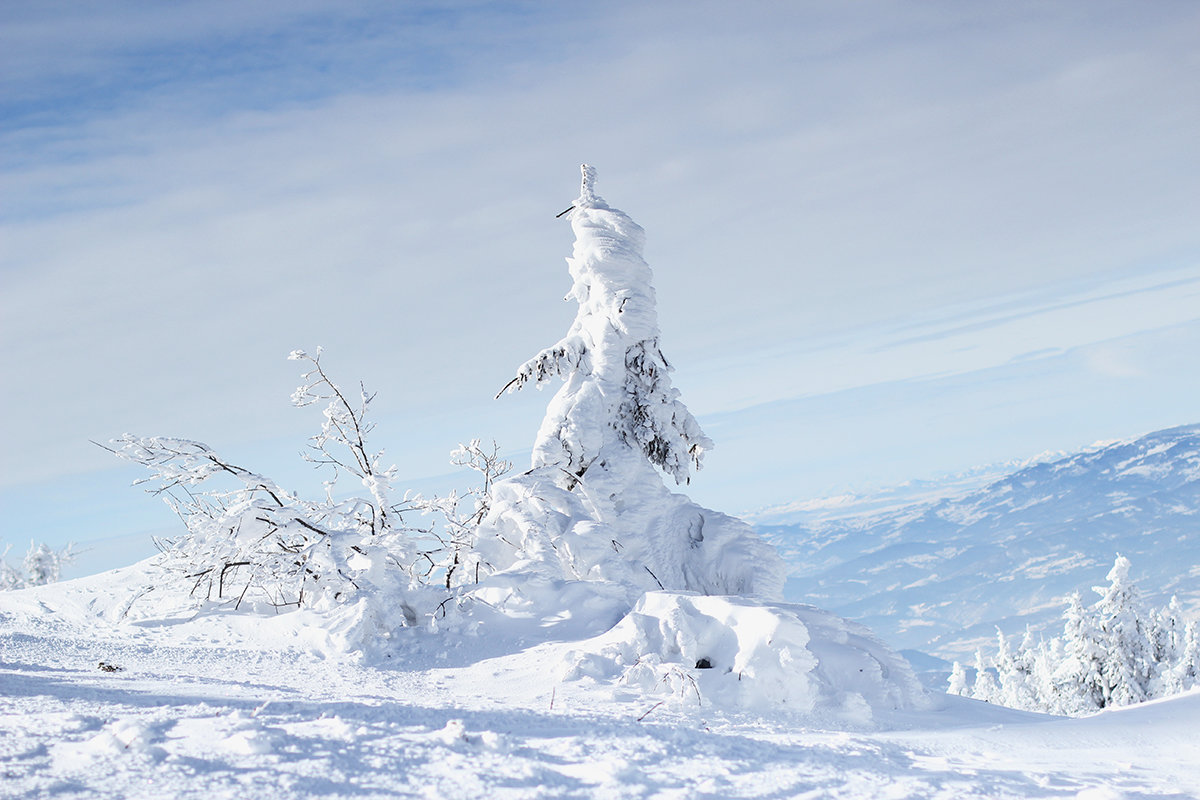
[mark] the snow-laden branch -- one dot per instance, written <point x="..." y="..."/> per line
<point x="559" y="361"/>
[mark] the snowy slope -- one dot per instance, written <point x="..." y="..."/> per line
<point x="235" y="706"/>
<point x="938" y="574"/>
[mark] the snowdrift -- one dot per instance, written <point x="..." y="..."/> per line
<point x="736" y="653"/>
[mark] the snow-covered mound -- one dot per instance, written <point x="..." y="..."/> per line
<point x="939" y="576"/>
<point x="735" y="653"/>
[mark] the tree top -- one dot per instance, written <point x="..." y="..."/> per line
<point x="587" y="190"/>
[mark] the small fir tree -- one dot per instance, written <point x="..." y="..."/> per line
<point x="986" y="687"/>
<point x="594" y="505"/>
<point x="1126" y="663"/>
<point x="1080" y="676"/>
<point x="959" y="682"/>
<point x="617" y="396"/>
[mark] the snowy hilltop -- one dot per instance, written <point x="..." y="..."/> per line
<point x="940" y="575"/>
<point x="225" y="706"/>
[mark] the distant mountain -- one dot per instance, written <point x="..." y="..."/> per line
<point x="941" y="572"/>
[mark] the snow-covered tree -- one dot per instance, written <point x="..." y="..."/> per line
<point x="250" y="541"/>
<point x="42" y="564"/>
<point x="959" y="682"/>
<point x="1183" y="672"/>
<point x="617" y="396"/>
<point x="986" y="687"/>
<point x="594" y="505"/>
<point x="1015" y="672"/>
<point x="1080" y="677"/>
<point x="461" y="514"/>
<point x="1127" y="663"/>
<point x="10" y="577"/>
<point x="1048" y="693"/>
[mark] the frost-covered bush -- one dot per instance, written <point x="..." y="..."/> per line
<point x="249" y="541"/>
<point x="460" y="515"/>
<point x="1116" y="652"/>
<point x="42" y="564"/>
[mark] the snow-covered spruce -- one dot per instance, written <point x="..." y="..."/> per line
<point x="591" y="536"/>
<point x="593" y="507"/>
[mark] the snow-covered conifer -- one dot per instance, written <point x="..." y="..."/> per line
<point x="1080" y="677"/>
<point x="1015" y="672"/>
<point x="617" y="394"/>
<point x="1048" y="693"/>
<point x="41" y="565"/>
<point x="1126" y="663"/>
<point x="1184" y="673"/>
<point x="958" y="683"/>
<point x="594" y="505"/>
<point x="986" y="688"/>
<point x="1169" y="632"/>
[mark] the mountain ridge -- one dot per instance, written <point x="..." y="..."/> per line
<point x="941" y="574"/>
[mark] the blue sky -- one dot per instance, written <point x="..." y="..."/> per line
<point x="890" y="240"/>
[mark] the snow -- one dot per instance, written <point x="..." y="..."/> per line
<point x="234" y="705"/>
<point x="735" y="653"/>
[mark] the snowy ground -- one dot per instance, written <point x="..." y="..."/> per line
<point x="242" y="707"/>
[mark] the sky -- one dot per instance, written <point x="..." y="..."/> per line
<point x="890" y="240"/>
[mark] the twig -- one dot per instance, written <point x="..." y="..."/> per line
<point x="656" y="705"/>
<point x="507" y="386"/>
<point x="656" y="580"/>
